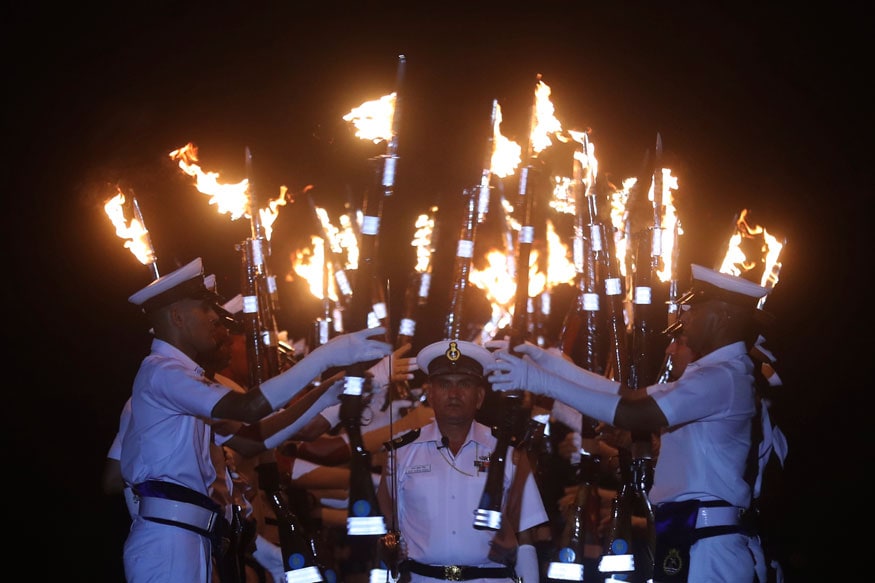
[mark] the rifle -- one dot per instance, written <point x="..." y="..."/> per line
<point x="259" y="287"/>
<point x="488" y="513"/>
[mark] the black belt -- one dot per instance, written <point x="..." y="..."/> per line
<point x="181" y="515"/>
<point x="457" y="572"/>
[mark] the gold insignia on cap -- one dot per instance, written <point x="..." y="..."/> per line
<point x="453" y="354"/>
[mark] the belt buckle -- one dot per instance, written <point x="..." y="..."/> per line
<point x="453" y="573"/>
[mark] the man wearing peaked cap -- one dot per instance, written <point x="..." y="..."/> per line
<point x="187" y="282"/>
<point x="454" y="357"/>
<point x="165" y="455"/>
<point x="704" y="419"/>
<point x="437" y="475"/>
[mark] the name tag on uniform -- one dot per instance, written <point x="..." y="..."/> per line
<point x="420" y="469"/>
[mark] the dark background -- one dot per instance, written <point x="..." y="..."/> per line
<point x="759" y="107"/>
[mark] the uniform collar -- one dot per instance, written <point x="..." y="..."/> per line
<point x="477" y="433"/>
<point x="722" y="354"/>
<point x="167" y="350"/>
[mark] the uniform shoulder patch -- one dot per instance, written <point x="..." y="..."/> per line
<point x="402" y="440"/>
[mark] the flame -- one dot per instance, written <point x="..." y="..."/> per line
<point x="545" y="122"/>
<point x="668" y="219"/>
<point x="342" y="240"/>
<point x="422" y="241"/>
<point x="736" y="261"/>
<point x="560" y="268"/>
<point x="230" y="199"/>
<point x="506" y="154"/>
<point x="563" y="186"/>
<point x="373" y="119"/>
<point x="135" y="232"/>
<point x="309" y="264"/>
<point x="619" y="217"/>
<point x="269" y="214"/>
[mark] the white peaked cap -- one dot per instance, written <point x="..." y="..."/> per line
<point x="234" y="305"/>
<point x="711" y="284"/>
<point x="454" y="357"/>
<point x="187" y="282"/>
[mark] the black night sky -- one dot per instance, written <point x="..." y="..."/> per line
<point x="759" y="107"/>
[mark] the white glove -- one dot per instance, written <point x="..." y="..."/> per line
<point x="326" y="399"/>
<point x="350" y="348"/>
<point x="270" y="557"/>
<point x="554" y="360"/>
<point x="526" y="567"/>
<point x="513" y="373"/>
<point x="339" y="351"/>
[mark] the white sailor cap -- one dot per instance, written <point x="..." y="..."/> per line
<point x="187" y="282"/>
<point x="234" y="305"/>
<point x="454" y="357"/>
<point x="709" y="284"/>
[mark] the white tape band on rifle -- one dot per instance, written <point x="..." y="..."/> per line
<point x="271" y="284"/>
<point x="424" y="285"/>
<point x="353" y="385"/>
<point x="380" y="310"/>
<point x="656" y="243"/>
<point x="257" y="252"/>
<point x="577" y="254"/>
<point x="323" y="331"/>
<point x="269" y="338"/>
<point x="483" y="201"/>
<point x="613" y="287"/>
<point x="250" y="304"/>
<point x="643" y="295"/>
<point x="591" y="302"/>
<point x="595" y="236"/>
<point x="343" y="282"/>
<point x="527" y="234"/>
<point x="465" y="249"/>
<point x="545" y="303"/>
<point x="389" y="171"/>
<point x="370" y="225"/>
<point x="407" y="327"/>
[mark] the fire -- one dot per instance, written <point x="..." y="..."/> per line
<point x="560" y="269"/>
<point x="313" y="263"/>
<point x="269" y="213"/>
<point x="310" y="264"/>
<point x="506" y="154"/>
<point x="342" y="240"/>
<point x="422" y="241"/>
<point x="668" y="219"/>
<point x="545" y="122"/>
<point x="138" y="240"/>
<point x="373" y="119"/>
<point x="230" y="199"/>
<point x="764" y="251"/>
<point x="563" y="186"/>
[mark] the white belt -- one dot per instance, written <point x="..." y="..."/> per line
<point x="182" y="512"/>
<point x="718" y="516"/>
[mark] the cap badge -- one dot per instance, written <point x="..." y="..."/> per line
<point x="453" y="354"/>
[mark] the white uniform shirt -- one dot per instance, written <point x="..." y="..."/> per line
<point x="168" y="438"/>
<point x="703" y="454"/>
<point x="438" y="495"/>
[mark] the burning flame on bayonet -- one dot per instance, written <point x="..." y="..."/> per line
<point x="545" y="122"/>
<point x="506" y="154"/>
<point x="312" y="264"/>
<point x="373" y="119"/>
<point x="668" y="219"/>
<point x="738" y="262"/>
<point x="422" y="241"/>
<point x="138" y="240"/>
<point x="230" y="199"/>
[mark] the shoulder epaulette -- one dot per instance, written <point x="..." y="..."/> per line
<point x="402" y="440"/>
